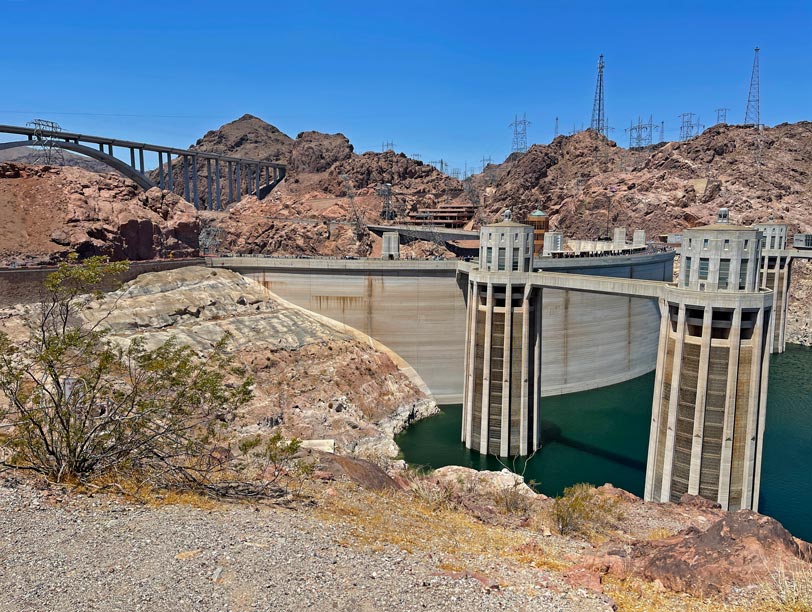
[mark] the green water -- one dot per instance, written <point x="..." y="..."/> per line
<point x="602" y="436"/>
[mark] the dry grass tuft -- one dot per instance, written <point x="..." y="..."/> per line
<point x="790" y="589"/>
<point x="660" y="533"/>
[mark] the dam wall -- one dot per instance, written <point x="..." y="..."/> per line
<point x="418" y="309"/>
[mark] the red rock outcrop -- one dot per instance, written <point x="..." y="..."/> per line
<point x="738" y="550"/>
<point x="49" y="212"/>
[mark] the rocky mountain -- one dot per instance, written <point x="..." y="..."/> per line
<point x="248" y="137"/>
<point x="48" y="212"/>
<point x="328" y="194"/>
<point x="583" y="181"/>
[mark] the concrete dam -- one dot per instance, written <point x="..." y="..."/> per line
<point x="418" y="309"/>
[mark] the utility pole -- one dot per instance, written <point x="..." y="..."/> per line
<point x="555" y="134"/>
<point x="598" y="123"/>
<point x="519" y="134"/>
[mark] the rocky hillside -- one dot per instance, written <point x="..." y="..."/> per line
<point x="312" y="376"/>
<point x="577" y="179"/>
<point x="49" y="212"/>
<point x="248" y="137"/>
<point x="330" y="190"/>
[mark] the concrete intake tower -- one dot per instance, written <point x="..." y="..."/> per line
<point x="503" y="350"/>
<point x="710" y="390"/>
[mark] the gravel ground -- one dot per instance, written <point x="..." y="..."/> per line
<point x="87" y="554"/>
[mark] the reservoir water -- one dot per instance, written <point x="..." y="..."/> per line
<point x="602" y="436"/>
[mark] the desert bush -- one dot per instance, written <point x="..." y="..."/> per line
<point x="790" y="589"/>
<point x="272" y="462"/>
<point x="582" y="509"/>
<point x="80" y="405"/>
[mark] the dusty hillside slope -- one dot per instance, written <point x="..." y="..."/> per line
<point x="314" y="377"/>
<point x="47" y="212"/>
<point x="323" y="172"/>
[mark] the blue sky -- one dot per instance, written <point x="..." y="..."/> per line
<point x="440" y="79"/>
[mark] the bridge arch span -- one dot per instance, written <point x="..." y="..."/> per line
<point x="115" y="163"/>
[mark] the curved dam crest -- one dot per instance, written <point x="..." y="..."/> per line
<point x="418" y="309"/>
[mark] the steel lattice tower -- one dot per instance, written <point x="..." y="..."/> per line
<point x="752" y="115"/>
<point x="598" y="108"/>
<point x="519" y="133"/>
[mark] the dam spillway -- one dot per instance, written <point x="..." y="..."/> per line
<point x="418" y="309"/>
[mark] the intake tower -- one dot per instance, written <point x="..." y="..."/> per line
<point x="711" y="380"/>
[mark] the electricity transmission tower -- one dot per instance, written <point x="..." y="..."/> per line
<point x="662" y="131"/>
<point x="555" y="134"/>
<point x="598" y="123"/>
<point x="356" y="216"/>
<point x="752" y="115"/>
<point x="721" y="115"/>
<point x="519" y="134"/>
<point x="385" y="193"/>
<point x="688" y="127"/>
<point x="440" y="164"/>
<point x="640" y="135"/>
<point x="44" y="137"/>
<point x="387" y="145"/>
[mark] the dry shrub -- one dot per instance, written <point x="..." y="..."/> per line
<point x="437" y="496"/>
<point x="659" y="533"/>
<point x="512" y="501"/>
<point x="790" y="589"/>
<point x="583" y="510"/>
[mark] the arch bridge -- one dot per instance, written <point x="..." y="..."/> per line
<point x="207" y="180"/>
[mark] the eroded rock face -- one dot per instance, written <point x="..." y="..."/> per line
<point x="49" y="212"/>
<point x="740" y="549"/>
<point x="314" y="380"/>
<point x="315" y="152"/>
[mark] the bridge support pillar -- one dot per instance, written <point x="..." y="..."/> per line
<point x="209" y="202"/>
<point x="195" y="194"/>
<point x="141" y="161"/>
<point x="186" y="190"/>
<point x="161" y="170"/>
<point x="169" y="178"/>
<point x="217" y="183"/>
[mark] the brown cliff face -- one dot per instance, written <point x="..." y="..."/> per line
<point x="49" y="212"/>
<point x="311" y="211"/>
<point x="576" y="179"/>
